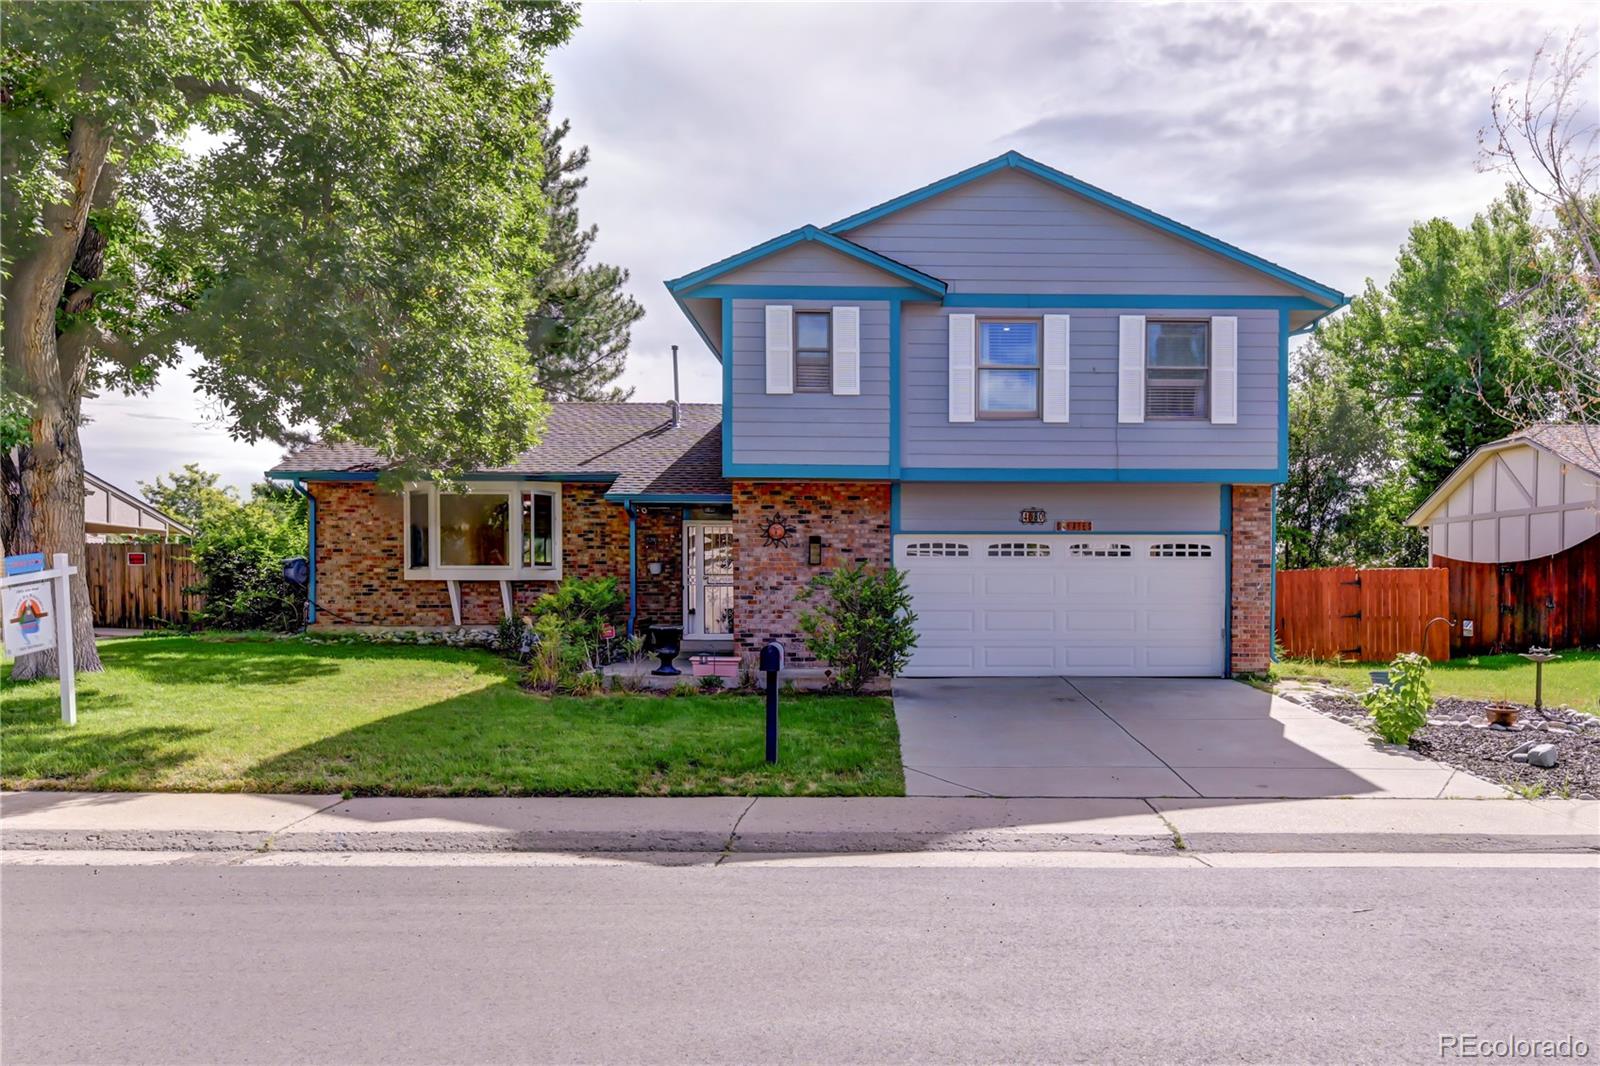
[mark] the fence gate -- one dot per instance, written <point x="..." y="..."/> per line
<point x="136" y="586"/>
<point x="1365" y="615"/>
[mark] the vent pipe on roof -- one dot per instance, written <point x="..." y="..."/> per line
<point x="677" y="416"/>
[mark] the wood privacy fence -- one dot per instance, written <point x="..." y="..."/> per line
<point x="1367" y="615"/>
<point x="127" y="595"/>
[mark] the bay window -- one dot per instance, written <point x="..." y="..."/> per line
<point x="485" y="530"/>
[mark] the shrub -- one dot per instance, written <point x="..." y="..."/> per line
<point x="711" y="683"/>
<point x="631" y="677"/>
<point x="513" y="638"/>
<point x="1401" y="708"/>
<point x="586" y="683"/>
<point x="865" y="628"/>
<point x="549" y="654"/>
<point x="240" y="553"/>
<point x="584" y="606"/>
<point x="684" y="688"/>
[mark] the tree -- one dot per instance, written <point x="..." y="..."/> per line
<point x="1339" y="457"/>
<point x="335" y="204"/>
<point x="190" y="495"/>
<point x="578" y="331"/>
<point x="1544" y="135"/>
<point x="1427" y="347"/>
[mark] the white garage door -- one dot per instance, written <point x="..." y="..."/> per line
<point x="1010" y="604"/>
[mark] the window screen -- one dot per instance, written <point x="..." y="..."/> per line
<point x="1177" y="374"/>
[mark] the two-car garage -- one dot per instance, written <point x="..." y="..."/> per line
<point x="1015" y="604"/>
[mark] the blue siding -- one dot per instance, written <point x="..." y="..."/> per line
<point x="807" y="429"/>
<point x="1093" y="439"/>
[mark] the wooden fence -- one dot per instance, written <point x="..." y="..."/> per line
<point x="129" y="595"/>
<point x="1553" y="601"/>
<point x="1367" y="615"/>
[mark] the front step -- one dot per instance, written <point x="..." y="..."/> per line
<point x="708" y="645"/>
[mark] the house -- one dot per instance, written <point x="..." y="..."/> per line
<point x="108" y="510"/>
<point x="1517" y="524"/>
<point x="1063" y="415"/>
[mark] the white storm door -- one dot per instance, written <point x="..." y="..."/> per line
<point x="708" y="579"/>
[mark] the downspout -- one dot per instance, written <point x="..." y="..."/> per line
<point x="1272" y="587"/>
<point x="311" y="549"/>
<point x="633" y="566"/>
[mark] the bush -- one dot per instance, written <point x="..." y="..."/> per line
<point x="240" y="553"/>
<point x="684" y="688"/>
<point x="584" y="606"/>
<point x="549" y="654"/>
<point x="865" y="629"/>
<point x="513" y="638"/>
<point x="711" y="683"/>
<point x="1401" y="708"/>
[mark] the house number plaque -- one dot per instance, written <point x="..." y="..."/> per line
<point x="1074" y="525"/>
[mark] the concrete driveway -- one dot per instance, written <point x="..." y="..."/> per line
<point x="1144" y="737"/>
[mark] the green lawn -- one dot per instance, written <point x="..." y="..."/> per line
<point x="1574" y="680"/>
<point x="209" y="714"/>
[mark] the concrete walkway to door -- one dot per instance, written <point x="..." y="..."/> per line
<point x="1145" y="737"/>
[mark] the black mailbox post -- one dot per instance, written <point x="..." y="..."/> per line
<point x="771" y="663"/>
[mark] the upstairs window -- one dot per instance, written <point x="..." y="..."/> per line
<point x="813" y="351"/>
<point x="1177" y="370"/>
<point x="1008" y="368"/>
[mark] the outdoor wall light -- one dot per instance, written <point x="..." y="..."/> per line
<point x="814" y="551"/>
<point x="654" y="568"/>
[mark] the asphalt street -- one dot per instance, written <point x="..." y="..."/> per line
<point x="765" y="961"/>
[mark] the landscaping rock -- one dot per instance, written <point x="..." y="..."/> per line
<point x="1519" y="756"/>
<point x="1543" y="755"/>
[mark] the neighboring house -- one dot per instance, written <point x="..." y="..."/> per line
<point x="1062" y="414"/>
<point x="108" y="510"/>
<point x="1518" y="526"/>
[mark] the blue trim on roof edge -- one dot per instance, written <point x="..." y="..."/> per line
<point x="816" y="235"/>
<point x="1014" y="160"/>
<point x="1261" y="476"/>
<point x="1136" y="300"/>
<point x="811" y="292"/>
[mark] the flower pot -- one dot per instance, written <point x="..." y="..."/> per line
<point x="1501" y="714"/>
<point x="724" y="666"/>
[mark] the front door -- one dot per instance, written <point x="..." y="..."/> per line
<point x="708" y="579"/>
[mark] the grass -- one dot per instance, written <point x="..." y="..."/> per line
<point x="184" y="713"/>
<point x="1574" y="680"/>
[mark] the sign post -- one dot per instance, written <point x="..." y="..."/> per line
<point x="37" y="608"/>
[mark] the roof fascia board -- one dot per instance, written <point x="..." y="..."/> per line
<point x="812" y="234"/>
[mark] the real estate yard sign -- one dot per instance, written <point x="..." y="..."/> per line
<point x="37" y="606"/>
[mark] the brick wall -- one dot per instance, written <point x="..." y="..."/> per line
<point x="1251" y="610"/>
<point x="851" y="517"/>
<point x="660" y="541"/>
<point x="361" y="559"/>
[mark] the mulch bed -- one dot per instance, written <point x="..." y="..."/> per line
<point x="1458" y="734"/>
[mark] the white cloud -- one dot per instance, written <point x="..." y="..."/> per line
<point x="1313" y="135"/>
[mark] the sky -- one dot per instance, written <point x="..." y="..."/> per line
<point x="1313" y="135"/>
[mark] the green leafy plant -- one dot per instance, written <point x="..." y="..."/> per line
<point x="584" y="606"/>
<point x="711" y="683"/>
<point x="240" y="554"/>
<point x="863" y="627"/>
<point x="684" y="688"/>
<point x="1400" y="708"/>
<point x="549" y="654"/>
<point x="586" y="683"/>
<point x="513" y="637"/>
<point x="636" y="664"/>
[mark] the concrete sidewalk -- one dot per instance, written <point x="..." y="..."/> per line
<point x="223" y="822"/>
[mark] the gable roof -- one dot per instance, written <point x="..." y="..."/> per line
<point x="632" y="445"/>
<point x="1570" y="442"/>
<point x="1014" y="160"/>
<point x="808" y="233"/>
<point x="142" y="509"/>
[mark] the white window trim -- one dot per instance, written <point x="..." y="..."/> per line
<point x="513" y="491"/>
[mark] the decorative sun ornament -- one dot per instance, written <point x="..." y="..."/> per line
<point x="778" y="532"/>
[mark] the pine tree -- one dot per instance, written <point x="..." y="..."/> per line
<point x="578" y="333"/>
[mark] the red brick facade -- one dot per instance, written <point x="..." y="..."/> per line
<point x="1251" y="594"/>
<point x="851" y="517"/>
<point x="361" y="559"/>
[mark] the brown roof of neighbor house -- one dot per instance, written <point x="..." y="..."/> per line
<point x="633" y="442"/>
<point x="1574" y="442"/>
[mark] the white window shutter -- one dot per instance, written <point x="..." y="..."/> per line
<point x="847" y="351"/>
<point x="963" y="367"/>
<point x="780" y="349"/>
<point x="1225" y="370"/>
<point x="1057" y="366"/>
<point x="1130" y="368"/>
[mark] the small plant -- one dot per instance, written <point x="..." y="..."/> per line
<point x="548" y="653"/>
<point x="685" y="688"/>
<point x="636" y="665"/>
<point x="1400" y="708"/>
<point x="587" y="683"/>
<point x="865" y="629"/>
<point x="789" y="688"/>
<point x="1530" y="791"/>
<point x="711" y="683"/>
<point x="513" y="638"/>
<point x="749" y="676"/>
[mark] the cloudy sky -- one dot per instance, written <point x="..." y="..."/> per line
<point x="1312" y="135"/>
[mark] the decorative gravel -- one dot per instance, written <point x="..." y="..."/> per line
<point x="1458" y="734"/>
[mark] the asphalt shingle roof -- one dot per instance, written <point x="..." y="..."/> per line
<point x="1574" y="442"/>
<point x="633" y="442"/>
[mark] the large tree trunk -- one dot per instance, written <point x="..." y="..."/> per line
<point x="51" y="469"/>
